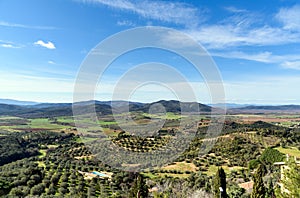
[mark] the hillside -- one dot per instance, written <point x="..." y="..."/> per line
<point x="103" y="108"/>
<point x="289" y="109"/>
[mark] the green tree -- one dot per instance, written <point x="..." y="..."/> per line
<point x="259" y="190"/>
<point x="139" y="188"/>
<point x="235" y="191"/>
<point x="290" y="182"/>
<point x="270" y="155"/>
<point x="270" y="190"/>
<point x="37" y="189"/>
<point x="4" y="187"/>
<point x="220" y="182"/>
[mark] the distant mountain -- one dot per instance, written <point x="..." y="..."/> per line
<point x="8" y="108"/>
<point x="170" y="106"/>
<point x="17" y="102"/>
<point x="228" y="105"/>
<point x="48" y="105"/>
<point x="50" y="110"/>
<point x="102" y="108"/>
<point x="267" y="109"/>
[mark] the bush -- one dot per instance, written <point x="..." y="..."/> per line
<point x="253" y="164"/>
<point x="270" y="156"/>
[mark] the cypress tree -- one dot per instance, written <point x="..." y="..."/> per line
<point x="259" y="190"/>
<point x="139" y="188"/>
<point x="220" y="181"/>
<point x="270" y="190"/>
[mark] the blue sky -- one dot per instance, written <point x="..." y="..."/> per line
<point x="255" y="44"/>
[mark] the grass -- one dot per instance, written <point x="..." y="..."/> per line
<point x="43" y="153"/>
<point x="168" y="116"/>
<point x="292" y="151"/>
<point x="39" y="123"/>
<point x="101" y="122"/>
<point x="174" y="175"/>
<point x="44" y="123"/>
<point x="213" y="169"/>
<point x="181" y="166"/>
<point x="41" y="164"/>
<point x="65" y="119"/>
<point x="52" y="146"/>
<point x="150" y="175"/>
<point x="8" y="117"/>
<point x="86" y="139"/>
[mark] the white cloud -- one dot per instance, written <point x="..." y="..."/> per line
<point x="173" y="12"/>
<point x="288" y="61"/>
<point x="16" y="25"/>
<point x="48" y="45"/>
<point x="291" y="65"/>
<point x="9" y="44"/>
<point x="223" y="36"/>
<point x="264" y="57"/>
<point x="51" y="62"/>
<point x="126" y="23"/>
<point x="242" y="28"/>
<point x="290" y="17"/>
<point x="249" y="29"/>
<point x="234" y="9"/>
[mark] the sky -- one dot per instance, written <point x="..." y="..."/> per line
<point x="254" y="44"/>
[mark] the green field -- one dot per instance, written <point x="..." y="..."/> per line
<point x="44" y="123"/>
<point x="292" y="151"/>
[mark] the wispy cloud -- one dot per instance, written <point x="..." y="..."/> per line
<point x="48" y="45"/>
<point x="234" y="9"/>
<point x="17" y="25"/>
<point x="288" y="61"/>
<point x="223" y="36"/>
<point x="9" y="44"/>
<point x="250" y="29"/>
<point x="291" y="65"/>
<point x="5" y="45"/>
<point x="290" y="17"/>
<point x="173" y="12"/>
<point x="51" y="62"/>
<point x="264" y="57"/>
<point x="126" y="23"/>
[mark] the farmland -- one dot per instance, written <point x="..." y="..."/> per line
<point x="51" y="156"/>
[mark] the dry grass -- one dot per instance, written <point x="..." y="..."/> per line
<point x="181" y="166"/>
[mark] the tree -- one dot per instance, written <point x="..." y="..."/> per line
<point x="4" y="187"/>
<point x="259" y="190"/>
<point x="290" y="182"/>
<point x="270" y="156"/>
<point x="270" y="190"/>
<point x="139" y="188"/>
<point x="220" y="182"/>
<point x="37" y="189"/>
<point x="235" y="191"/>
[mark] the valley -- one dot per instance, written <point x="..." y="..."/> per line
<point x="46" y="155"/>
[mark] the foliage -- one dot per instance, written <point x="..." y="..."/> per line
<point x="220" y="182"/>
<point x="290" y="181"/>
<point x="253" y="164"/>
<point x="238" y="150"/>
<point x="258" y="186"/>
<point x="234" y="191"/>
<point x="270" y="156"/>
<point x="139" y="188"/>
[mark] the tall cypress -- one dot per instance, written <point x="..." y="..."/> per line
<point x="220" y="182"/>
<point x="139" y="188"/>
<point x="259" y="190"/>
